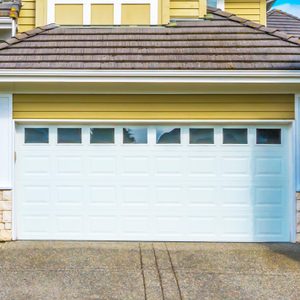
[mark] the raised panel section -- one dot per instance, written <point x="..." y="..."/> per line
<point x="102" y="14"/>
<point x="135" y="14"/>
<point x="69" y="14"/>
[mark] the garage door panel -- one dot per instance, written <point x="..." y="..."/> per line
<point x="104" y="165"/>
<point x="172" y="192"/>
<point x="68" y="196"/>
<point x="202" y="166"/>
<point x="36" y="194"/>
<point x="201" y="196"/>
<point x="102" y="196"/>
<point x="35" y="225"/>
<point x="236" y="196"/>
<point x="37" y="166"/>
<point x="270" y="195"/>
<point x="270" y="227"/>
<point x="235" y="166"/>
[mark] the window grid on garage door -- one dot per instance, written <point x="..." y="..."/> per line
<point x="150" y="135"/>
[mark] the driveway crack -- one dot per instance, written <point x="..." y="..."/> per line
<point x="142" y="270"/>
<point x="174" y="272"/>
<point x="159" y="274"/>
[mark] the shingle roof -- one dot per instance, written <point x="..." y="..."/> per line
<point x="10" y="8"/>
<point x="221" y="42"/>
<point x="284" y="22"/>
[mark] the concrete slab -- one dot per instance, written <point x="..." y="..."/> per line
<point x="150" y="271"/>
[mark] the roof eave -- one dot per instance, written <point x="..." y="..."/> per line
<point x="213" y="76"/>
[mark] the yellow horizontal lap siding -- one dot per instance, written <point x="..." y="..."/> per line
<point x="135" y="14"/>
<point x="184" y="9"/>
<point x="202" y="107"/>
<point x="26" y="19"/>
<point x="254" y="10"/>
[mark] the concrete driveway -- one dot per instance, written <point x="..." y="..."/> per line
<point x="168" y="271"/>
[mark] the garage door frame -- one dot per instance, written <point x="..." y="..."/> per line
<point x="291" y="155"/>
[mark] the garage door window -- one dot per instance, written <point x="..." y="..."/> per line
<point x="102" y="135"/>
<point x="201" y="135"/>
<point x="235" y="136"/>
<point x="69" y="135"/>
<point x="135" y="135"/>
<point x="36" y="135"/>
<point x="268" y="136"/>
<point x="167" y="135"/>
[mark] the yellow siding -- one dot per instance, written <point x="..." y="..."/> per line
<point x="135" y="14"/>
<point x="69" y="14"/>
<point x="41" y="13"/>
<point x="185" y="8"/>
<point x="236" y="107"/>
<point x="26" y="19"/>
<point x="254" y="10"/>
<point x="163" y="11"/>
<point x="102" y="14"/>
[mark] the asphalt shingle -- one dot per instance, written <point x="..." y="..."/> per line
<point x="220" y="42"/>
<point x="284" y="22"/>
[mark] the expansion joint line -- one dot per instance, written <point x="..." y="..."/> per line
<point x="142" y="270"/>
<point x="174" y="272"/>
<point x="158" y="272"/>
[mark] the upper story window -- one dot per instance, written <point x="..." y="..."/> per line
<point x="103" y="12"/>
<point x="216" y="3"/>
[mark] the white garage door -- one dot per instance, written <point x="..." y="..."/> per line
<point x="179" y="183"/>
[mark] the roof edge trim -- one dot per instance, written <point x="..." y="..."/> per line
<point x="89" y="76"/>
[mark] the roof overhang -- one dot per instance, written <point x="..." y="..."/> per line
<point x="145" y="81"/>
<point x="6" y="23"/>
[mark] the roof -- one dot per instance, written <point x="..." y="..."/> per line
<point x="284" y="22"/>
<point x="10" y="8"/>
<point x="222" y="41"/>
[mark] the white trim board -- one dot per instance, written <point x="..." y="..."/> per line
<point x="297" y="141"/>
<point x="221" y="4"/>
<point x="117" y="9"/>
<point x="146" y="76"/>
<point x="6" y="142"/>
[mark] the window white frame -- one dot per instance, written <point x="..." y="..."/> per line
<point x="221" y="4"/>
<point x="87" y="7"/>
<point x="6" y="142"/>
<point x="297" y="140"/>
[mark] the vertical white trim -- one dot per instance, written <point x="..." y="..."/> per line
<point x="51" y="12"/>
<point x="154" y="13"/>
<point x="86" y="13"/>
<point x="6" y="141"/>
<point x="297" y="140"/>
<point x="13" y="199"/>
<point x="13" y="27"/>
<point x="292" y="183"/>
<point x="117" y="13"/>
<point x="221" y="4"/>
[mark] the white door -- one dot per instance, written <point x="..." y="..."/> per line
<point x="153" y="183"/>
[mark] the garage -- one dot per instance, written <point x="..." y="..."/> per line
<point x="153" y="182"/>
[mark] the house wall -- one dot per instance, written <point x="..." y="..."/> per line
<point x="34" y="13"/>
<point x="187" y="9"/>
<point x="5" y="215"/>
<point x="26" y="19"/>
<point x="26" y="106"/>
<point x="254" y="10"/>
